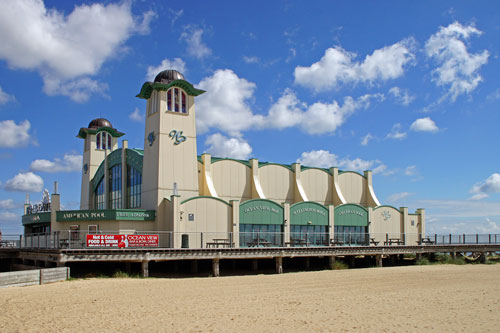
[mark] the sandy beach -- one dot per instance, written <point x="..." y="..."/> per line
<point x="403" y="299"/>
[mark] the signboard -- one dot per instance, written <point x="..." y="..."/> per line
<point x="261" y="211"/>
<point x="351" y="215"/>
<point x="308" y="213"/>
<point x="106" y="214"/>
<point x="122" y="241"/>
<point x="36" y="218"/>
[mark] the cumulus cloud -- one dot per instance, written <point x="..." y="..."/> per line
<point x="137" y="116"/>
<point x="366" y="139"/>
<point x="326" y="159"/>
<point x="195" y="47"/>
<point x="177" y="63"/>
<point x="221" y="146"/>
<point x="226" y="103"/>
<point x="68" y="163"/>
<point x="14" y="135"/>
<point x="7" y="204"/>
<point x="483" y="189"/>
<point x="337" y="66"/>
<point x="25" y="182"/>
<point x="402" y="96"/>
<point x="396" y="132"/>
<point x="66" y="49"/>
<point x="457" y="68"/>
<point x="424" y="125"/>
<point x="396" y="197"/>
<point x="5" y="98"/>
<point x="411" y="170"/>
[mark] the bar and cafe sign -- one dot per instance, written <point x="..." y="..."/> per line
<point x="122" y="241"/>
<point x="105" y="215"/>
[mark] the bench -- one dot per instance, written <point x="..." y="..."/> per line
<point x="396" y="241"/>
<point x="336" y="242"/>
<point x="374" y="242"/>
<point x="297" y="242"/>
<point x="426" y="241"/>
<point x="259" y="242"/>
<point x="219" y="242"/>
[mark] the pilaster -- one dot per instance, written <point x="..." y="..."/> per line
<point x="286" y="222"/>
<point x="236" y="222"/>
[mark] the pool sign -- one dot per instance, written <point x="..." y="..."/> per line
<point x="122" y="241"/>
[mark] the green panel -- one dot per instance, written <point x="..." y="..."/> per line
<point x="106" y="215"/>
<point x="115" y="158"/>
<point x="148" y="87"/>
<point x="134" y="159"/>
<point x="308" y="213"/>
<point x="36" y="218"/>
<point x="351" y="215"/>
<point x="84" y="131"/>
<point x="261" y="211"/>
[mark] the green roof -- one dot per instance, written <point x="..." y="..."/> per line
<point x="148" y="87"/>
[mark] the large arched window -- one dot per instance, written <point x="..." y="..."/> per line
<point x="115" y="187"/>
<point x="134" y="182"/>
<point x="176" y="100"/>
<point x="99" y="196"/>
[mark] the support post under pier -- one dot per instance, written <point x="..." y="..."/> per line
<point x="279" y="265"/>
<point x="378" y="260"/>
<point x="215" y="267"/>
<point x="145" y="268"/>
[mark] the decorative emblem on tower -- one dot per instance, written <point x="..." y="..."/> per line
<point x="177" y="136"/>
<point x="85" y="168"/>
<point x="151" y="138"/>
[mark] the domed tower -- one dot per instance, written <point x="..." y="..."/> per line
<point x="169" y="139"/>
<point x="100" y="138"/>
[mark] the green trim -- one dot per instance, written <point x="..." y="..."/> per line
<point x="261" y="211"/>
<point x="308" y="213"/>
<point x="106" y="215"/>
<point x="200" y="159"/>
<point x="38" y="218"/>
<point x="134" y="158"/>
<point x="85" y="131"/>
<point x="218" y="159"/>
<point x="341" y="172"/>
<point x="381" y="206"/>
<point x="304" y="168"/>
<point x="263" y="164"/>
<point x="97" y="177"/>
<point x="114" y="158"/>
<point x="148" y="87"/>
<point x="206" y="197"/>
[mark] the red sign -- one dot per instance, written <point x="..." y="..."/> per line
<point x="122" y="241"/>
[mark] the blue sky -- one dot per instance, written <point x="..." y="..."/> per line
<point x="409" y="90"/>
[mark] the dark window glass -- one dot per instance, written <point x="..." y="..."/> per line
<point x="99" y="196"/>
<point x="115" y="187"/>
<point x="183" y="102"/>
<point x="169" y="100"/>
<point x="98" y="141"/>
<point x="310" y="235"/>
<point x="109" y="141"/>
<point x="134" y="182"/>
<point x="250" y="234"/>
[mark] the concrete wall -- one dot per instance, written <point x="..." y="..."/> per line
<point x="353" y="187"/>
<point x="386" y="220"/>
<point x="232" y="180"/>
<point x="33" y="277"/>
<point x="318" y="185"/>
<point x="277" y="183"/>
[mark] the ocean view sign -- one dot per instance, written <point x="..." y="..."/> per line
<point x="351" y="215"/>
<point x="308" y="213"/>
<point x="106" y="215"/>
<point x="260" y="211"/>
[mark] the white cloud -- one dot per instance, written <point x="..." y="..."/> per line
<point x="251" y="60"/>
<point x="7" y="204"/>
<point x="66" y="49"/>
<point x="69" y="163"/>
<point x="482" y="189"/>
<point x="5" y="98"/>
<point x="195" y="46"/>
<point x="225" y="105"/>
<point x="25" y="182"/>
<point x="325" y="159"/>
<point x="424" y="125"/>
<point x="13" y="135"/>
<point x="175" y="15"/>
<point x="318" y="158"/>
<point x="137" y="115"/>
<point x="396" y="132"/>
<point x="396" y="197"/>
<point x="458" y="69"/>
<point x="402" y="96"/>
<point x="366" y="139"/>
<point x="221" y="146"/>
<point x="177" y="63"/>
<point x="337" y="67"/>
<point x="411" y="170"/>
<point x="9" y="216"/>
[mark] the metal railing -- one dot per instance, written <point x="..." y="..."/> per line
<point x="256" y="239"/>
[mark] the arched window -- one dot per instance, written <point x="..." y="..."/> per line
<point x="176" y="100"/>
<point x="115" y="187"/>
<point x="134" y="182"/>
<point x="99" y="196"/>
<point x="103" y="140"/>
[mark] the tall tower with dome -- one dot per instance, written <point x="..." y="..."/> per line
<point x="170" y="156"/>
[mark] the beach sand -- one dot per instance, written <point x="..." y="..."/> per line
<point x="394" y="299"/>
